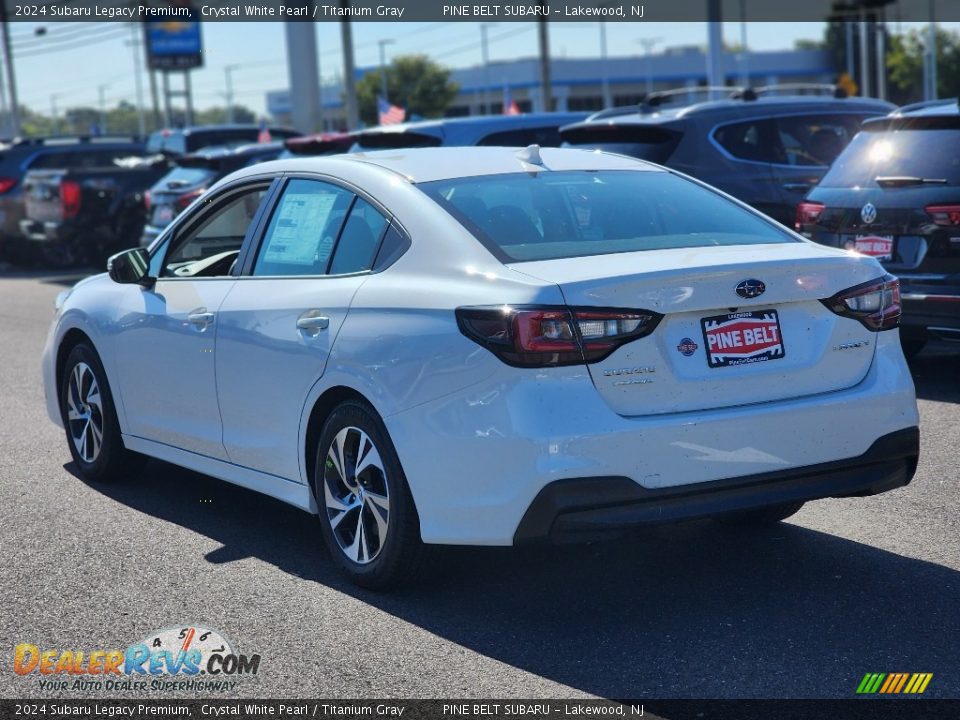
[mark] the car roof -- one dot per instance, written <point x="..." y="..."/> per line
<point x="740" y="108"/>
<point x="476" y="126"/>
<point x="933" y="108"/>
<point x="420" y="165"/>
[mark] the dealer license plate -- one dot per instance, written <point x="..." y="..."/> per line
<point x="742" y="337"/>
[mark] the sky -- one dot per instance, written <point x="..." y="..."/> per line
<point x="72" y="64"/>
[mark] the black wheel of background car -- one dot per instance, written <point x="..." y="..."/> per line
<point x="367" y="515"/>
<point x="90" y="420"/>
<point x="764" y="515"/>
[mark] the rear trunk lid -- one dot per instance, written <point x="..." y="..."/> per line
<point x="713" y="348"/>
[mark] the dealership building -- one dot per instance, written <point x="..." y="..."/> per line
<point x="579" y="83"/>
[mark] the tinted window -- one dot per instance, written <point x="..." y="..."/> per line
<point x="542" y="136"/>
<point x="914" y="153"/>
<point x="814" y="139"/>
<point x="358" y="239"/>
<point x="644" y="142"/>
<point x="81" y="159"/>
<point x="303" y="229"/>
<point x="754" y="140"/>
<point x="571" y="214"/>
<point x="212" y="247"/>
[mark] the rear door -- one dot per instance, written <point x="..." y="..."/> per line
<point x="280" y="321"/>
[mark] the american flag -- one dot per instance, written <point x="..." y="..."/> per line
<point x="264" y="135"/>
<point x="510" y="106"/>
<point x="389" y="114"/>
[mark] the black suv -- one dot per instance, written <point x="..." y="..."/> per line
<point x="759" y="145"/>
<point x="894" y="193"/>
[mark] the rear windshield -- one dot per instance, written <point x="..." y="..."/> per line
<point x="923" y="153"/>
<point x="646" y="143"/>
<point x="177" y="142"/>
<point x="394" y="141"/>
<point x="549" y="215"/>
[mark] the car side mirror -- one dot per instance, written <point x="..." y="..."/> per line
<point x="131" y="266"/>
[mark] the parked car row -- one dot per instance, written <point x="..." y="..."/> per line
<point x="65" y="200"/>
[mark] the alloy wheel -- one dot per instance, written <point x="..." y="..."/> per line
<point x="85" y="412"/>
<point x="356" y="495"/>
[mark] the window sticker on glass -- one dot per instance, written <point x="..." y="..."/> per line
<point x="298" y="236"/>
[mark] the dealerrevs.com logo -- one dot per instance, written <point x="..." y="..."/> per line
<point x="186" y="657"/>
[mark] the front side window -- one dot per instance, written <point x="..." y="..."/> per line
<point x="211" y="248"/>
<point x="814" y="139"/>
<point x="304" y="229"/>
<point x="551" y="215"/>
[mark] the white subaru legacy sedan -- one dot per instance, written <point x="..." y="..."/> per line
<point x="487" y="346"/>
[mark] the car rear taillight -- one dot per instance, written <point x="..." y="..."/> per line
<point x="70" y="193"/>
<point x="876" y="304"/>
<point x="944" y="214"/>
<point x="184" y="200"/>
<point x="147" y="200"/>
<point x="555" y="335"/>
<point x="7" y="184"/>
<point x="808" y="213"/>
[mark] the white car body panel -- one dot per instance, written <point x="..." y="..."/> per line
<point x="479" y="439"/>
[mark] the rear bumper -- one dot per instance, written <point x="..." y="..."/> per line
<point x="587" y="508"/>
<point x="935" y="310"/>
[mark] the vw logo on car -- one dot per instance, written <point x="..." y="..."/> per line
<point x="751" y="288"/>
<point x="868" y="213"/>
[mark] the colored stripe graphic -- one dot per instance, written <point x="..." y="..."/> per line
<point x="894" y="683"/>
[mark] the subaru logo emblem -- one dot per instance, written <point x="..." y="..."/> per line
<point x="750" y="288"/>
<point x="868" y="213"/>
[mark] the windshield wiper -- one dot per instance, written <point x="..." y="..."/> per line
<point x="895" y="181"/>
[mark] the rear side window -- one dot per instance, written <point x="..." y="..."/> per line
<point x="358" y="240"/>
<point x="552" y="215"/>
<point x="651" y="143"/>
<point x="303" y="230"/>
<point x="754" y="140"/>
<point x="542" y="136"/>
<point x="922" y="153"/>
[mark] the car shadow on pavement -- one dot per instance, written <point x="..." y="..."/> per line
<point x="936" y="372"/>
<point x="694" y="610"/>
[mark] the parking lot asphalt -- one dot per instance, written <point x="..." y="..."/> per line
<point x="804" y="609"/>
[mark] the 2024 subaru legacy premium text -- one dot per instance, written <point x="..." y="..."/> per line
<point x="487" y="346"/>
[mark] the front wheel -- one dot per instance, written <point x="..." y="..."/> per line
<point x="90" y="419"/>
<point x="367" y="515"/>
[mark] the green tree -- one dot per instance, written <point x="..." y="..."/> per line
<point x="905" y="65"/>
<point x="414" y="82"/>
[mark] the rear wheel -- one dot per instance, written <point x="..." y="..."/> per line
<point x="367" y="514"/>
<point x="764" y="515"/>
<point x="90" y="420"/>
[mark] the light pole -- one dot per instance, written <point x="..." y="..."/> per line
<point x="349" y="74"/>
<point x="55" y="114"/>
<point x="486" y="65"/>
<point x="648" y="44"/>
<point x="930" y="57"/>
<point x="604" y="76"/>
<point x="228" y="78"/>
<point x="383" y="66"/>
<point x="744" y="53"/>
<point x="138" y="77"/>
<point x="103" y="108"/>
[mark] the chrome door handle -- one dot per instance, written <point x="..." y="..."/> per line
<point x="312" y="322"/>
<point x="200" y="319"/>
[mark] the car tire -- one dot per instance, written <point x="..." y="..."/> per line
<point x="368" y="518"/>
<point x="90" y="420"/>
<point x="763" y="516"/>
